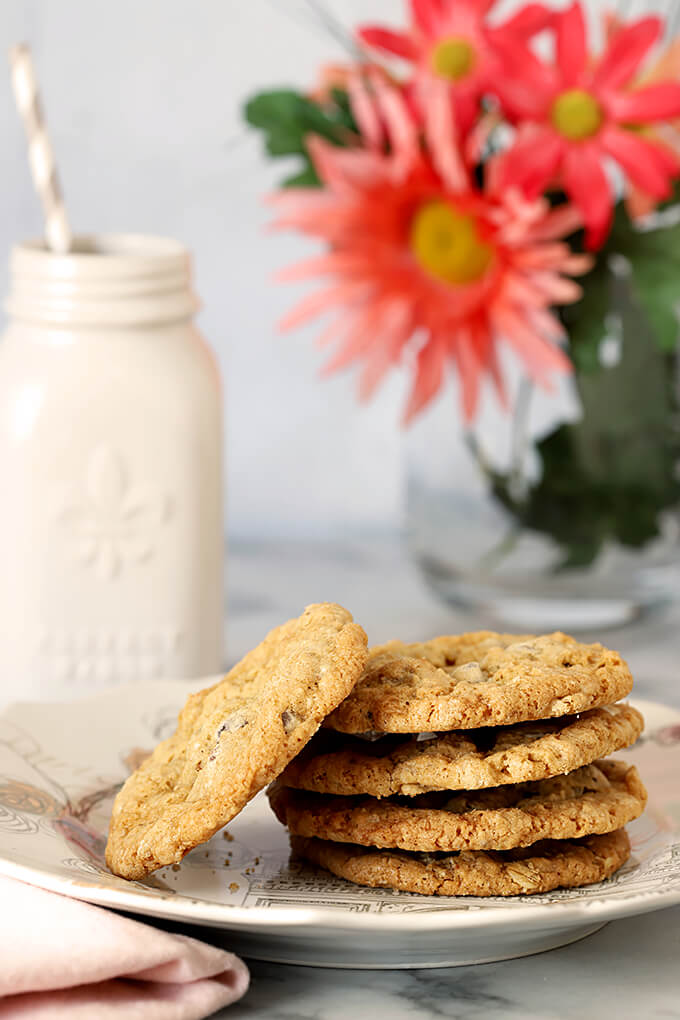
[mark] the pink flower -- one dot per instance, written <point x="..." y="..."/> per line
<point x="338" y="76"/>
<point x="638" y="203"/>
<point x="418" y="252"/>
<point x="451" y="44"/>
<point x="574" y="116"/>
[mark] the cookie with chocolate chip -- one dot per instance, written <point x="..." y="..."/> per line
<point x="552" y="864"/>
<point x="596" y="798"/>
<point x="463" y="759"/>
<point x="480" y="679"/>
<point x="234" y="738"/>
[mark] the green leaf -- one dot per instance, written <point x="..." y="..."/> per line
<point x="270" y="108"/>
<point x="287" y="118"/>
<point x="307" y="178"/>
<point x="655" y="269"/>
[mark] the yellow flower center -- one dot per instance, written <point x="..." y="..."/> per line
<point x="453" y="58"/>
<point x="576" y="115"/>
<point x="447" y="243"/>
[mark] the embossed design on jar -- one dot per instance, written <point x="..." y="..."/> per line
<point x="114" y="521"/>
<point x="101" y="656"/>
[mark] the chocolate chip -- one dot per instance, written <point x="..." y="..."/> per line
<point x="233" y="722"/>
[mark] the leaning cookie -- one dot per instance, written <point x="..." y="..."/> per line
<point x="234" y="738"/>
<point x="537" y="869"/>
<point x="480" y="679"/>
<point x="464" y="759"/>
<point x="594" y="799"/>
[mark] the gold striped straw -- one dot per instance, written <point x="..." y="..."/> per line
<point x="40" y="154"/>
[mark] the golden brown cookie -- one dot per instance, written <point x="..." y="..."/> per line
<point x="480" y="679"/>
<point x="536" y="869"/>
<point x="234" y="738"/>
<point x="464" y="759"/>
<point x="594" y="799"/>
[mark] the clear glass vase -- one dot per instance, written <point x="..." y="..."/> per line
<point x="543" y="524"/>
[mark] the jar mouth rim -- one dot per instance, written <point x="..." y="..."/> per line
<point x="103" y="258"/>
<point x="106" y="247"/>
<point x="119" y="279"/>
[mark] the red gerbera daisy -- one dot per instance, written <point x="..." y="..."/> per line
<point x="666" y="68"/>
<point x="416" y="249"/>
<point x="575" y="115"/>
<point x="450" y="42"/>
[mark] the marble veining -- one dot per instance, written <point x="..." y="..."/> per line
<point x="628" y="970"/>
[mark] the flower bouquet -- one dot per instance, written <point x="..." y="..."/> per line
<point x="481" y="187"/>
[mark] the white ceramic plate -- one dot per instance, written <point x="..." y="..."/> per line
<point x="61" y="764"/>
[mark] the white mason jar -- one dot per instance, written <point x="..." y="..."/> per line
<point x="111" y="524"/>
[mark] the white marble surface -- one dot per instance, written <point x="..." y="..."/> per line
<point x="628" y="970"/>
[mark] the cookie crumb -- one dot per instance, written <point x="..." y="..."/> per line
<point x="233" y="887"/>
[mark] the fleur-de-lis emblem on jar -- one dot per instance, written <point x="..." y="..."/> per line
<point x="113" y="521"/>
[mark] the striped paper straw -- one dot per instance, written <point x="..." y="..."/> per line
<point x="40" y="154"/>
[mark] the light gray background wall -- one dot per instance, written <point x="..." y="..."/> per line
<point x="143" y="100"/>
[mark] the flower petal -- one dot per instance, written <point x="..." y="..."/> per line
<point x="484" y="346"/>
<point x="533" y="160"/>
<point x="468" y="347"/>
<point x="343" y="170"/>
<point x="561" y="221"/>
<point x="397" y="43"/>
<point x="324" y="156"/>
<point x="328" y="263"/>
<point x="440" y="132"/>
<point x="364" y="110"/>
<point x="528" y="21"/>
<point x="539" y="357"/>
<point x="667" y="67"/>
<point x="527" y="86"/>
<point x="401" y="129"/>
<point x="479" y="7"/>
<point x="358" y="338"/>
<point x="429" y="376"/>
<point x="321" y="301"/>
<point x="547" y="324"/>
<point x="556" y="289"/>
<point x="427" y="14"/>
<point x="586" y="183"/>
<point x="626" y="51"/>
<point x="649" y="166"/>
<point x="395" y="331"/>
<point x="570" y="43"/>
<point x="655" y="102"/>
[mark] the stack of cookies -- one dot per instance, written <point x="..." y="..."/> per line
<point x="471" y="765"/>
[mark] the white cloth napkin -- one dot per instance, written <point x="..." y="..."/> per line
<point x="61" y="959"/>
